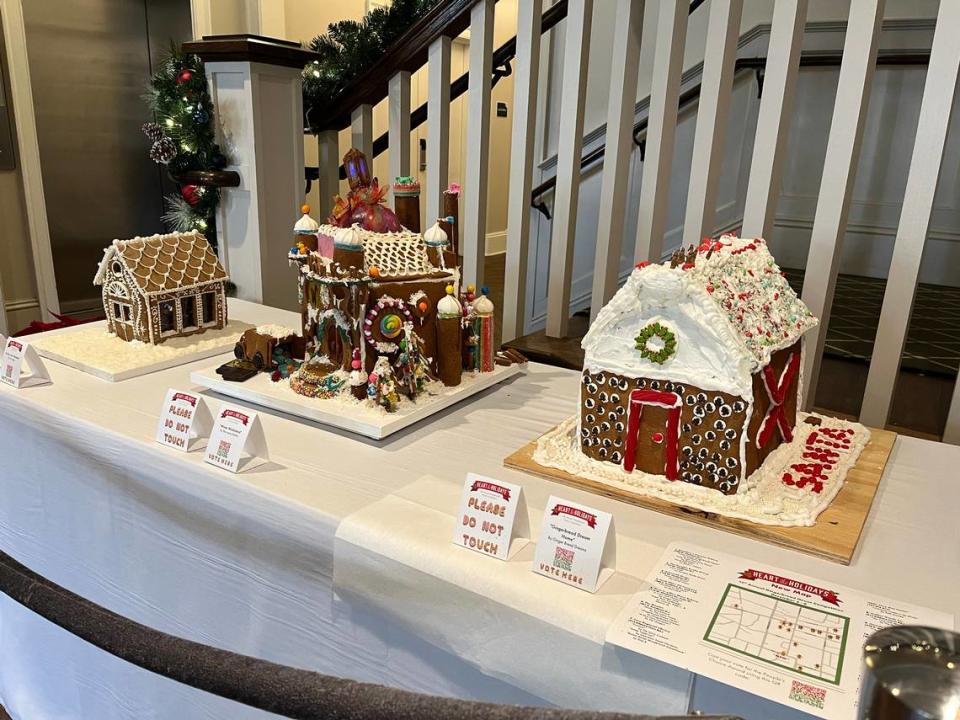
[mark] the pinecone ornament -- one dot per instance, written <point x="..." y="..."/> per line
<point x="163" y="150"/>
<point x="152" y="130"/>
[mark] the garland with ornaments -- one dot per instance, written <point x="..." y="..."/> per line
<point x="349" y="48"/>
<point x="183" y="139"/>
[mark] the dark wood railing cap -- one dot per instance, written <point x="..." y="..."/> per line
<point x="409" y="53"/>
<point x="250" y="48"/>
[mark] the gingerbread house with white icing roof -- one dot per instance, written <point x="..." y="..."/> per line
<point x="162" y="286"/>
<point x="692" y="370"/>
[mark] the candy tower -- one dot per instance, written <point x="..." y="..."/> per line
<point x="449" y="320"/>
<point x="483" y="329"/>
<point x="406" y="202"/>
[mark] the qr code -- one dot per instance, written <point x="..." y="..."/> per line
<point x="563" y="559"/>
<point x="223" y="451"/>
<point x="808" y="694"/>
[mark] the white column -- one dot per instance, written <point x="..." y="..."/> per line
<point x="438" y="126"/>
<point x="576" y="56"/>
<point x="935" y="111"/>
<point x="616" y="158"/>
<point x="661" y="129"/>
<point x="525" y="77"/>
<point x="473" y="233"/>
<point x="255" y="220"/>
<point x="839" y="174"/>
<point x="773" y="121"/>
<point x="723" y="32"/>
<point x="361" y="130"/>
<point x="28" y="150"/>
<point x="328" y="161"/>
<point x="399" y="133"/>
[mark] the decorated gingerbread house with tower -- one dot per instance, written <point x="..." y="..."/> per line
<point x="381" y="314"/>
<point x="692" y="370"/>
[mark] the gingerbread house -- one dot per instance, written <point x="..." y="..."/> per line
<point x="162" y="286"/>
<point x="367" y="288"/>
<point x="692" y="370"/>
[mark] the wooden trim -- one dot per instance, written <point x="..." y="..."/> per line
<point x="399" y="131"/>
<point x="839" y="174"/>
<point x="661" y="129"/>
<point x="576" y="57"/>
<point x="615" y="182"/>
<point x="448" y="19"/>
<point x="473" y="233"/>
<point x="773" y="121"/>
<point x="526" y="100"/>
<point x="438" y="127"/>
<point x="926" y="163"/>
<point x="250" y="48"/>
<point x="28" y="147"/>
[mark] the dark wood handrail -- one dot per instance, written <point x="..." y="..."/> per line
<point x="408" y="53"/>
<point x="279" y="689"/>
<point x="757" y="64"/>
<point x="501" y="59"/>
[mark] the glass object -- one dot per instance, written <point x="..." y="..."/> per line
<point x="911" y="673"/>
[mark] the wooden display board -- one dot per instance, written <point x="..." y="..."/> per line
<point x="834" y="536"/>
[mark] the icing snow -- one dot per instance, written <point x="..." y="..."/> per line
<point x="275" y="331"/>
<point x="764" y="497"/>
<point x="90" y="346"/>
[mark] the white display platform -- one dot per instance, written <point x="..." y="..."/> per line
<point x="347" y="413"/>
<point x="90" y="348"/>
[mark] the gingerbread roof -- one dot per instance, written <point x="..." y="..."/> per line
<point x="161" y="263"/>
<point x="733" y="293"/>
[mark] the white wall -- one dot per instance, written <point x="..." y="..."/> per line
<point x="890" y="130"/>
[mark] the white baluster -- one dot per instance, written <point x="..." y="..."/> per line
<point x="473" y="234"/>
<point x="438" y="126"/>
<point x="661" y="129"/>
<point x="616" y="159"/>
<point x="328" y="160"/>
<point x="925" y="165"/>
<point x="773" y="120"/>
<point x="525" y="76"/>
<point x="839" y="173"/>
<point x="399" y="108"/>
<point x="576" y="54"/>
<point x="361" y="130"/>
<point x="723" y="32"/>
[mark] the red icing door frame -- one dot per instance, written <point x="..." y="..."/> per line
<point x="672" y="403"/>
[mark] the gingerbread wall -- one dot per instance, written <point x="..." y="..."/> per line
<point x="761" y="405"/>
<point x="708" y="445"/>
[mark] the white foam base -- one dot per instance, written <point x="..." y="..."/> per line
<point x="344" y="411"/>
<point x="92" y="349"/>
<point x="763" y="498"/>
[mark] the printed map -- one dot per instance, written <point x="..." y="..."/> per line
<point x="791" y="635"/>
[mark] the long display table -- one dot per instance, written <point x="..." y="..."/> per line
<point x="254" y="562"/>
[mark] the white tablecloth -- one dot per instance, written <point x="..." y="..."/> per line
<point x="246" y="562"/>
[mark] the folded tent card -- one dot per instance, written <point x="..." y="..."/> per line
<point x="22" y="367"/>
<point x="577" y="545"/>
<point x="184" y="418"/>
<point x="237" y="439"/>
<point x="493" y="517"/>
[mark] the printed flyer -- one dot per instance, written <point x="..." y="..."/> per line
<point x="779" y="635"/>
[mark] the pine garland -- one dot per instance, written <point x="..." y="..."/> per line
<point x="183" y="139"/>
<point x="351" y="47"/>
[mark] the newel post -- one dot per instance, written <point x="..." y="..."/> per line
<point x="255" y="86"/>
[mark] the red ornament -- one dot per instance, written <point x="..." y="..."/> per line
<point x="184" y="76"/>
<point x="190" y="194"/>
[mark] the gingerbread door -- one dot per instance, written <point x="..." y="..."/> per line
<point x="653" y="433"/>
